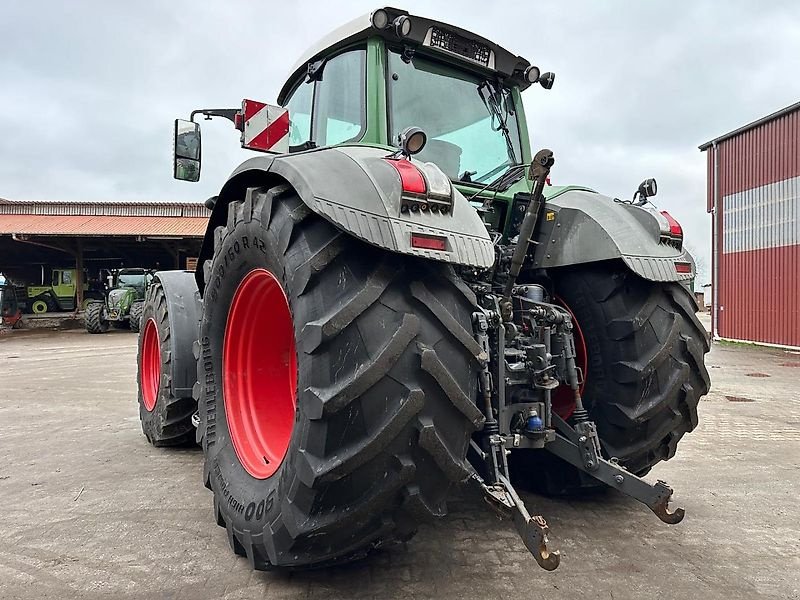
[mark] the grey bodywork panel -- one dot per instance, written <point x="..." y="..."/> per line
<point x="358" y="191"/>
<point x="183" y="314"/>
<point x="354" y="188"/>
<point x="581" y="226"/>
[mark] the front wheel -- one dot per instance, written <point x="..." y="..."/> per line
<point x="136" y="315"/>
<point x="336" y="386"/>
<point x="642" y="349"/>
<point x="39" y="307"/>
<point x="95" y="319"/>
<point x="166" y="418"/>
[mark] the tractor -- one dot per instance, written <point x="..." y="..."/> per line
<point x="61" y="293"/>
<point x="393" y="299"/>
<point x="124" y="302"/>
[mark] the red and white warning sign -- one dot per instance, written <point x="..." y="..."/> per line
<point x="266" y="127"/>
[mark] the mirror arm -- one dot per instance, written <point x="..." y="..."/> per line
<point x="227" y="113"/>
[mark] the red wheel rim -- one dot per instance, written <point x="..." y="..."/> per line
<point x="562" y="398"/>
<point x="151" y="364"/>
<point x="259" y="368"/>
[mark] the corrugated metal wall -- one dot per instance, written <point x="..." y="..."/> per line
<point x="758" y="229"/>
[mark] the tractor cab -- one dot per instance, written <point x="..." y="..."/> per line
<point x="386" y="72"/>
<point x="135" y="279"/>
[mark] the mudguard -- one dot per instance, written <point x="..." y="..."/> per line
<point x="581" y="226"/>
<point x="183" y="312"/>
<point x="358" y="191"/>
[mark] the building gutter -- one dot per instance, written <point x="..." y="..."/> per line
<point x="23" y="240"/>
<point x="715" y="235"/>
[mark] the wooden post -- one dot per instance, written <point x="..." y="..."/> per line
<point x="78" y="274"/>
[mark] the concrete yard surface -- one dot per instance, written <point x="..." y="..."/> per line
<point x="91" y="510"/>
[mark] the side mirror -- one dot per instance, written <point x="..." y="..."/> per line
<point x="186" y="151"/>
<point x="647" y="189"/>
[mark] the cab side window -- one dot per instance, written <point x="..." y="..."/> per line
<point x="299" y="106"/>
<point x="339" y="111"/>
<point x="332" y="109"/>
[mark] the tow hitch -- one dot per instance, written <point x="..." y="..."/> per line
<point x="581" y="449"/>
<point x="529" y="350"/>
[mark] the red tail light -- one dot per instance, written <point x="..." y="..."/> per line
<point x="412" y="180"/>
<point x="683" y="267"/>
<point x="675" y="229"/>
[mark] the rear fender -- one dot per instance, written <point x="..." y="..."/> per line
<point x="360" y="193"/>
<point x="580" y="227"/>
<point x="183" y="314"/>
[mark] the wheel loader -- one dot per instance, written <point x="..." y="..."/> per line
<point x="393" y="298"/>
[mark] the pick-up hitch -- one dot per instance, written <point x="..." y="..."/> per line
<point x="516" y="381"/>
<point x="579" y="448"/>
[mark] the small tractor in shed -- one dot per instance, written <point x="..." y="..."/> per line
<point x="61" y="293"/>
<point x="393" y="299"/>
<point x="123" y="304"/>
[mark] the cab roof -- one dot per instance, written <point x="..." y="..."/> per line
<point x="427" y="36"/>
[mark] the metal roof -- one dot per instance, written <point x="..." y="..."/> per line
<point x="103" y="208"/>
<point x="104" y="225"/>
<point x="754" y="124"/>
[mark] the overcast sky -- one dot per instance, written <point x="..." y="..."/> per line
<point x="89" y="89"/>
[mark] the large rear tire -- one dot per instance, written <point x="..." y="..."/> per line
<point x="385" y="381"/>
<point x="166" y="419"/>
<point x="645" y="371"/>
<point x="95" y="323"/>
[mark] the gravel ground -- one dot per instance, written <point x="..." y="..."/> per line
<point x="92" y="511"/>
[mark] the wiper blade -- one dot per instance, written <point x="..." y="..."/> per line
<point x="497" y="106"/>
<point x="508" y="178"/>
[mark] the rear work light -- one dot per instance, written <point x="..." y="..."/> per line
<point x="428" y="242"/>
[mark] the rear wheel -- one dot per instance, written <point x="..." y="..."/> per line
<point x="645" y="371"/>
<point x="95" y="320"/>
<point x="336" y="386"/>
<point x="166" y="419"/>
